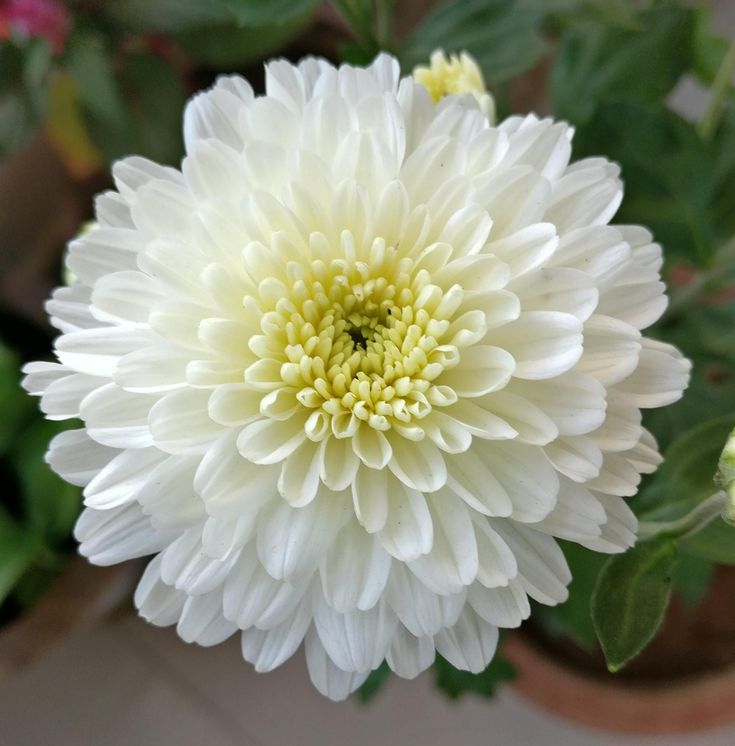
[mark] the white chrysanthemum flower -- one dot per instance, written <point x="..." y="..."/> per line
<point x="350" y="371"/>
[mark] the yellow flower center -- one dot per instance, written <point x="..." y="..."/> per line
<point x="361" y="341"/>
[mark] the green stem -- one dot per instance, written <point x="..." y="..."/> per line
<point x="700" y="516"/>
<point x="722" y="81"/>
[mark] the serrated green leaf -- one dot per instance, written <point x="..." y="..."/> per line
<point x="631" y="597"/>
<point x="599" y="62"/>
<point x="455" y="683"/>
<point x="503" y="37"/>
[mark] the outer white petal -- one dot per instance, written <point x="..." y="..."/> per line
<point x="331" y="681"/>
<point x="470" y="644"/>
<point x="408" y="656"/>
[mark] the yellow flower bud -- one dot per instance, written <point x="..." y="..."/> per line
<point x="455" y="75"/>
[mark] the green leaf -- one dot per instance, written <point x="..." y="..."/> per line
<point x="455" y="683"/>
<point x="89" y="62"/>
<point x="691" y="576"/>
<point x="16" y="406"/>
<point x="687" y="474"/>
<point x="51" y="505"/>
<point x="599" y="62"/>
<point x="266" y="12"/>
<point x="715" y="543"/>
<point x="502" y="36"/>
<point x="169" y="16"/>
<point x="631" y="597"/>
<point x="374" y="683"/>
<point x="225" y="45"/>
<point x="17" y="550"/>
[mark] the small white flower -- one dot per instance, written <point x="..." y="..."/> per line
<point x="350" y="371"/>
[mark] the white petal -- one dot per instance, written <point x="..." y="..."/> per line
<point x="158" y="603"/>
<point x="542" y="570"/>
<point x="472" y="479"/>
<point x="503" y="607"/>
<point x="525" y="475"/>
<point x="544" y="344"/>
<point x="270" y="441"/>
<point x="120" y="480"/>
<point x="229" y="485"/>
<point x="408" y="531"/>
<point x="573" y="401"/>
<point x="419" y="465"/>
<point x="251" y="597"/>
<point x="62" y="397"/>
<point x="420" y="610"/>
<point x="356" y="640"/>
<point x="577" y="457"/>
<point x="292" y="541"/>
<point x="202" y="621"/>
<point x="481" y="369"/>
<point x="660" y="378"/>
<point x="107" y="537"/>
<point x="370" y="498"/>
<point x="97" y="351"/>
<point x="470" y="644"/>
<point x="75" y="457"/>
<point x="180" y="422"/>
<point x="408" y="656"/>
<point x="355" y="570"/>
<point x="299" y="479"/>
<point x="527" y="421"/>
<point x="331" y="681"/>
<point x="117" y="418"/>
<point x="611" y="349"/>
<point x="452" y="562"/>
<point x="619" y="531"/>
<point x="268" y="649"/>
<point x="497" y="564"/>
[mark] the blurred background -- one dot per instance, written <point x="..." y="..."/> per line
<point x="84" y="82"/>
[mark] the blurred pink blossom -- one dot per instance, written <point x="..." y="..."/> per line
<point x="47" y="19"/>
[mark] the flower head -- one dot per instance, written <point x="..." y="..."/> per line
<point x="349" y="371"/>
<point x="455" y="75"/>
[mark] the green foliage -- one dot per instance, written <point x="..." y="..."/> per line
<point x="599" y="63"/>
<point x="686" y="477"/>
<point x="259" y="13"/>
<point x="24" y="70"/>
<point x="37" y="508"/>
<point x="714" y="543"/>
<point x="455" y="683"/>
<point x="691" y="575"/>
<point x="630" y="599"/>
<point x="504" y="37"/>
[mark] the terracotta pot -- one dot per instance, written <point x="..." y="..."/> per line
<point x="82" y="596"/>
<point x="684" y="681"/>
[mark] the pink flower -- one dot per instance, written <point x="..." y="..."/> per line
<point x="45" y="19"/>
